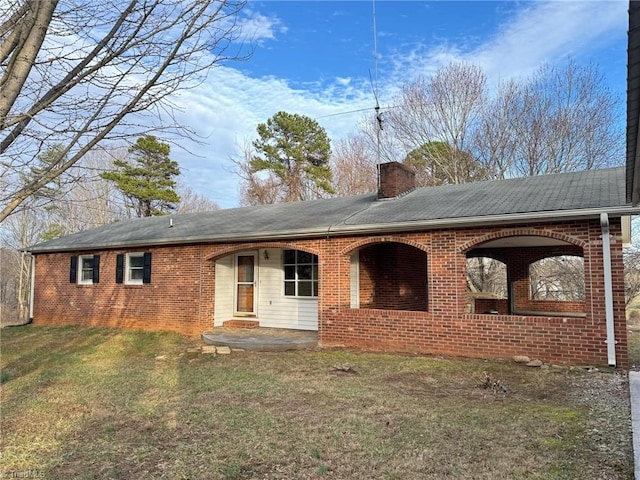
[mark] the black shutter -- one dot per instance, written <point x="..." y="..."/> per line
<point x="73" y="270"/>
<point x="146" y="268"/>
<point x="96" y="269"/>
<point x="119" y="268"/>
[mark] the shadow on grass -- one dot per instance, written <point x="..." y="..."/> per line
<point x="98" y="403"/>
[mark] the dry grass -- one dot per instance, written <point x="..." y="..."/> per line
<point x="633" y="333"/>
<point x="95" y="403"/>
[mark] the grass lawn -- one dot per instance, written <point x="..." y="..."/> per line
<point x="97" y="404"/>
<point x="633" y="333"/>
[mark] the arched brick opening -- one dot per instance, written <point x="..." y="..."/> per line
<point x="229" y="250"/>
<point x="382" y="239"/>
<point x="392" y="276"/>
<point x="519" y="249"/>
<point x="487" y="284"/>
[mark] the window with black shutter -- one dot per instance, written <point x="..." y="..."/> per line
<point x="134" y="268"/>
<point x="73" y="270"/>
<point x="96" y="269"/>
<point x="146" y="268"/>
<point x="120" y="268"/>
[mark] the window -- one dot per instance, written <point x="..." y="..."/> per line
<point x="134" y="268"/>
<point x="300" y="274"/>
<point x="135" y="265"/>
<point x="85" y="269"/>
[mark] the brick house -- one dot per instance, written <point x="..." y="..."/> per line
<point x="380" y="272"/>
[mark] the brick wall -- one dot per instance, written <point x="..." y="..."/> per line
<point x="518" y="262"/>
<point x="447" y="328"/>
<point x="174" y="300"/>
<point x="393" y="276"/>
<point x="486" y="305"/>
<point x="180" y="296"/>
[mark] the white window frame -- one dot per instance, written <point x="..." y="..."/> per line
<point x="81" y="270"/>
<point x="128" y="268"/>
<point x="315" y="282"/>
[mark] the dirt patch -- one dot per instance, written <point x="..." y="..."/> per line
<point x="606" y="397"/>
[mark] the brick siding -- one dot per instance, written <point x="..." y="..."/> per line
<point x="393" y="276"/>
<point x="180" y="296"/>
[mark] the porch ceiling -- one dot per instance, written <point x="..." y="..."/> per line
<point x="521" y="241"/>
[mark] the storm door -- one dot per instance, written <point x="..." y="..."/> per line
<point x="246" y="284"/>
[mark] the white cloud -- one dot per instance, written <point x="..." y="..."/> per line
<point x="547" y="32"/>
<point x="227" y="108"/>
<point x="537" y="33"/>
<point x="259" y="27"/>
<point x="225" y="111"/>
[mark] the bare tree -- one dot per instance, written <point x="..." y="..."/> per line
<point x="10" y="287"/>
<point x="495" y="140"/>
<point x="192" y="201"/>
<point x="443" y="108"/>
<point x="354" y="167"/>
<point x="487" y="275"/>
<point x="563" y="118"/>
<point x="558" y="278"/>
<point x="631" y="257"/>
<point x="631" y="274"/>
<point x="76" y="76"/>
<point x="23" y="229"/>
<point x="256" y="188"/>
<point x="565" y="121"/>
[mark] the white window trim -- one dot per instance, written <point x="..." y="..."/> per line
<point x="317" y="281"/>
<point x="127" y="269"/>
<point x="80" y="281"/>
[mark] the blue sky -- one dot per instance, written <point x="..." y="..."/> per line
<point x="315" y="57"/>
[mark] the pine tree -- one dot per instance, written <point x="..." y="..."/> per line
<point x="296" y="150"/>
<point x="147" y="181"/>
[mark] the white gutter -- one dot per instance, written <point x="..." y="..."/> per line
<point x="608" y="289"/>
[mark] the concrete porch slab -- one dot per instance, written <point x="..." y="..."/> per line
<point x="261" y="339"/>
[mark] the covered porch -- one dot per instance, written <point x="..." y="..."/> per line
<point x="266" y="286"/>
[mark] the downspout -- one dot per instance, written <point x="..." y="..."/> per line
<point x="33" y="288"/>
<point x="608" y="289"/>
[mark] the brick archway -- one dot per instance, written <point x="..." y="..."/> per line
<point x="524" y="232"/>
<point x="255" y="246"/>
<point x="382" y="239"/>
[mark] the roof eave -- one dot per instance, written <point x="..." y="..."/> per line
<point x="633" y="105"/>
<point x="504" y="219"/>
<point x="343" y="230"/>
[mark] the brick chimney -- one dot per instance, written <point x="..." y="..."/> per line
<point x="395" y="180"/>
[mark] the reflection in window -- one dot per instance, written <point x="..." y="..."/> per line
<point x="300" y="274"/>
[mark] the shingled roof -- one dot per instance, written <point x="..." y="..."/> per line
<point x="560" y="196"/>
